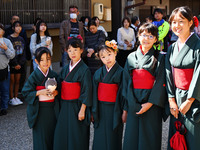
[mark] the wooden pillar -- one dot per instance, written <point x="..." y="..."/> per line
<point x="116" y="17"/>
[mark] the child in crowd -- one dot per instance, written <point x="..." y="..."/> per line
<point x="17" y="63"/>
<point x="40" y="39"/>
<point x="74" y="81"/>
<point x="6" y="53"/>
<point x="146" y="93"/>
<point x="41" y="109"/>
<point x="108" y="102"/>
<point x="149" y="19"/>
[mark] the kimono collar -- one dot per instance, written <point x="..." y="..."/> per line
<point x="142" y="51"/>
<point x="43" y="72"/>
<point x="110" y="67"/>
<point x="189" y="44"/>
<point x="141" y="54"/>
<point x="72" y="67"/>
<point x="180" y="45"/>
<point x="106" y="76"/>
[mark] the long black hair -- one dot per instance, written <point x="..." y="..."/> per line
<point x="38" y="40"/>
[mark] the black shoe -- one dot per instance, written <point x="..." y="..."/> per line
<point x="3" y="112"/>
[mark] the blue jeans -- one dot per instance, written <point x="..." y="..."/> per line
<point x="65" y="59"/>
<point x="4" y="92"/>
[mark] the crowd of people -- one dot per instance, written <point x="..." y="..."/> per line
<point x="150" y="73"/>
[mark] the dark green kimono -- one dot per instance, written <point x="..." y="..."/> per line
<point x="41" y="115"/>
<point x="108" y="126"/>
<point x="143" y="132"/>
<point x="187" y="58"/>
<point x="70" y="133"/>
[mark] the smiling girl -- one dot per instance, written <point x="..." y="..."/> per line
<point x="41" y="106"/>
<point x="183" y="82"/>
<point x="146" y="94"/>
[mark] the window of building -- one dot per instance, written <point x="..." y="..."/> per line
<point x="52" y="11"/>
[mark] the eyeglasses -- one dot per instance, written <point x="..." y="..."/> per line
<point x="151" y="37"/>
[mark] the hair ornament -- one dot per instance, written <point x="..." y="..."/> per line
<point x="111" y="44"/>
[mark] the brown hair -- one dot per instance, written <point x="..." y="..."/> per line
<point x="150" y="28"/>
<point x="185" y="12"/>
<point x="128" y="19"/>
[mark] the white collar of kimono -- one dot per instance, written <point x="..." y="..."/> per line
<point x="72" y="67"/>
<point x="43" y="72"/>
<point x="180" y="45"/>
<point x="110" y="67"/>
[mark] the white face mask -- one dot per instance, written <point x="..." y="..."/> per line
<point x="73" y="15"/>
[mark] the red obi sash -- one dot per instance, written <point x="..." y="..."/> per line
<point x="48" y="99"/>
<point x="182" y="78"/>
<point x="107" y="92"/>
<point x="142" y="79"/>
<point x="70" y="90"/>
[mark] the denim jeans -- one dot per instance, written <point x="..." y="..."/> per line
<point x="65" y="59"/>
<point x="4" y="92"/>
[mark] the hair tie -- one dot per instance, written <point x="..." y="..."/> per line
<point x="196" y="22"/>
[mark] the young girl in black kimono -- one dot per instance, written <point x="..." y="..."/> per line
<point x="41" y="108"/>
<point x="145" y="93"/>
<point x="75" y="86"/>
<point x="108" y="101"/>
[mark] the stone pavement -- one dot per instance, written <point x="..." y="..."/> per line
<point x="16" y="135"/>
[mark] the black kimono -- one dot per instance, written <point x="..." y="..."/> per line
<point x="107" y="109"/>
<point x="146" y="84"/>
<point x="41" y="115"/>
<point x="183" y="82"/>
<point x="70" y="133"/>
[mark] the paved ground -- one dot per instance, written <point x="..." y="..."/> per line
<point x="16" y="135"/>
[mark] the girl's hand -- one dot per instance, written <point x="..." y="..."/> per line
<point x="81" y="114"/>
<point x="185" y="106"/>
<point x="48" y="42"/>
<point x="145" y="107"/>
<point x="17" y="67"/>
<point x="173" y="107"/>
<point x="124" y="116"/>
<point x="43" y="92"/>
<point x="54" y="93"/>
<point x="3" y="46"/>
